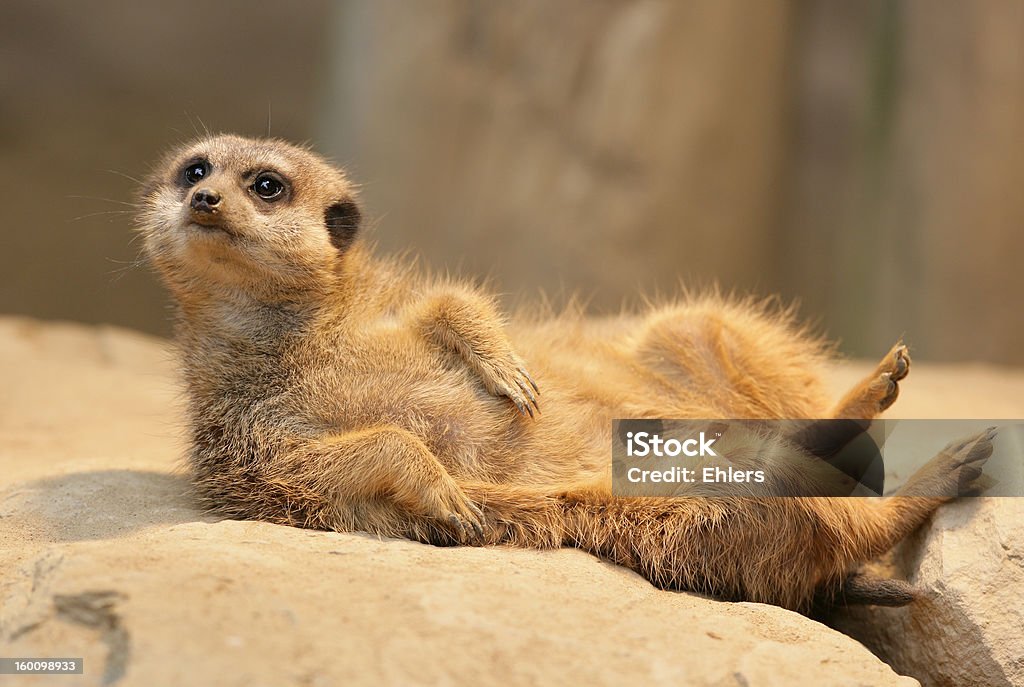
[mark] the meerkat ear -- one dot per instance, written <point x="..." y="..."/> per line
<point x="342" y="220"/>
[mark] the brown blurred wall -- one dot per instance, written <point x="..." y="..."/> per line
<point x="610" y="147"/>
<point x="861" y="157"/>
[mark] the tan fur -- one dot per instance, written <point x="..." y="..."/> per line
<point x="332" y="389"/>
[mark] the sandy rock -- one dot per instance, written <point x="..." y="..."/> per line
<point x="104" y="556"/>
<point x="969" y="627"/>
<point x="242" y="603"/>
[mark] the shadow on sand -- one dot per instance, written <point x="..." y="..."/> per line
<point x="101" y="504"/>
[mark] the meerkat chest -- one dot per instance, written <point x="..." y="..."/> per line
<point x="386" y="374"/>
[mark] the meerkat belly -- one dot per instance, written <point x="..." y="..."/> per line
<point x="421" y="392"/>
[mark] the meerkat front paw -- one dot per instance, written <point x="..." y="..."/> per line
<point x="510" y="379"/>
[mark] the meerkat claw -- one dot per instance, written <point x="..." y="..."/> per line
<point x="522" y="407"/>
<point x="460" y="528"/>
<point x="526" y="374"/>
<point x="469" y="525"/>
<point x="518" y="391"/>
<point x="530" y="395"/>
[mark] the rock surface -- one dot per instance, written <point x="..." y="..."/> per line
<point x="104" y="556"/>
<point x="969" y="627"/>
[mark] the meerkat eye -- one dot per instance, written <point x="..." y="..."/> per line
<point x="194" y="171"/>
<point x="268" y="187"/>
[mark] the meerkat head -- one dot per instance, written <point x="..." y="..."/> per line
<point x="259" y="215"/>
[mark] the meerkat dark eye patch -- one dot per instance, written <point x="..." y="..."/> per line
<point x="342" y="220"/>
<point x="195" y="171"/>
<point x="268" y="186"/>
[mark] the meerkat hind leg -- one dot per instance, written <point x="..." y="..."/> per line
<point x="955" y="471"/>
<point x="392" y="464"/>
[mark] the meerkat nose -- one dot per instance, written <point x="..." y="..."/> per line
<point x="205" y="200"/>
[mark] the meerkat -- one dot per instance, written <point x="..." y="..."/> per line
<point x="328" y="388"/>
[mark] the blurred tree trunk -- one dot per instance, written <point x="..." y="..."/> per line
<point x="609" y="147"/>
<point x="962" y="123"/>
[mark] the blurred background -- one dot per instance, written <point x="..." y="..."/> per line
<point x="864" y="158"/>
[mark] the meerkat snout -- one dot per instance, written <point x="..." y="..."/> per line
<point x="204" y="207"/>
<point x="204" y="202"/>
